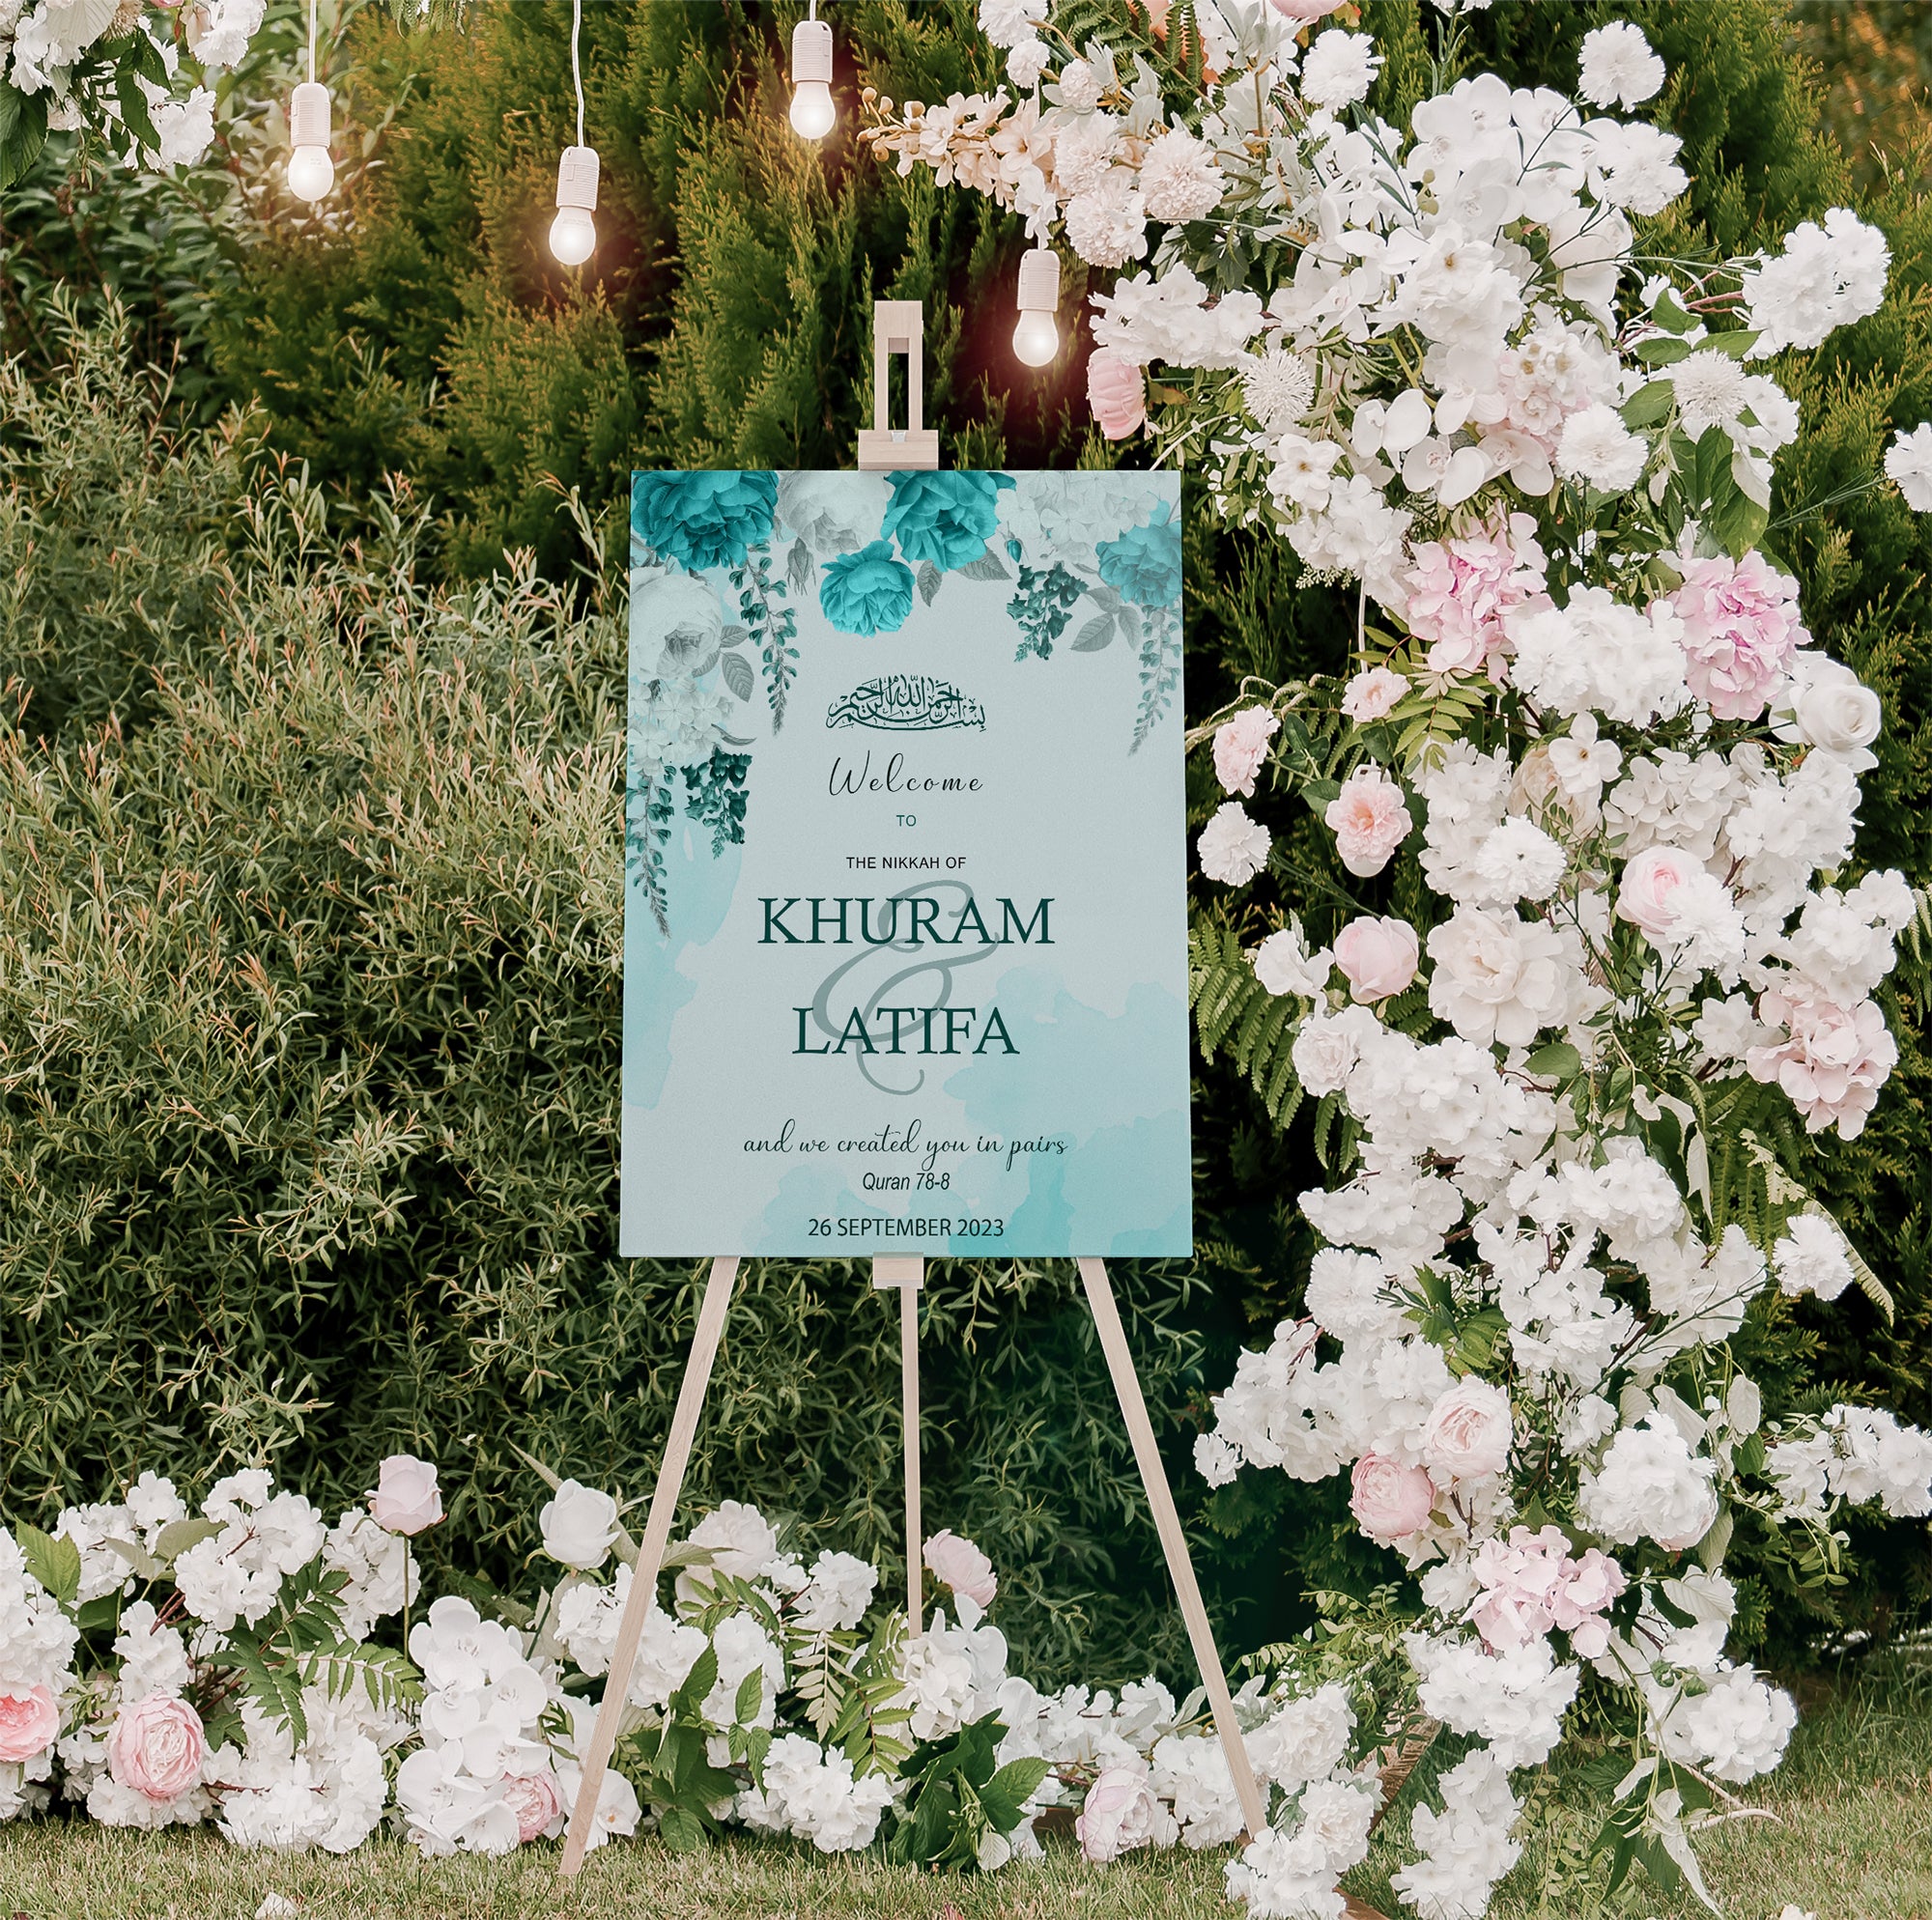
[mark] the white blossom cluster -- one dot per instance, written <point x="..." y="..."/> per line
<point x="1586" y="708"/>
<point x="74" y="52"/>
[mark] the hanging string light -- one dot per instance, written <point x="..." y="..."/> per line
<point x="311" y="172"/>
<point x="812" y="113"/>
<point x="1036" y="338"/>
<point x="573" y="234"/>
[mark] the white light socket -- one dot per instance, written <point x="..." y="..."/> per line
<point x="576" y="179"/>
<point x="810" y="52"/>
<point x="1039" y="280"/>
<point x="308" y="115"/>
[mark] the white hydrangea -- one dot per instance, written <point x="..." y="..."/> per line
<point x="1732" y="1725"/>
<point x="1467" y="1848"/>
<point x="1826" y="278"/>
<point x="1515" y="1700"/>
<point x="264" y="1537"/>
<point x="1650" y="1487"/>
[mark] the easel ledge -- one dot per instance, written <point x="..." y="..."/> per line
<point x="907" y="1273"/>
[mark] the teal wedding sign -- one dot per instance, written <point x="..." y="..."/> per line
<point x="905" y="959"/>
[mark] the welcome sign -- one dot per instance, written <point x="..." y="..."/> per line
<point x="906" y="952"/>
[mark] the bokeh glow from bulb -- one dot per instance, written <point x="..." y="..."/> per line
<point x="1036" y="338"/>
<point x="813" y="114"/>
<point x="573" y="236"/>
<point x="311" y="173"/>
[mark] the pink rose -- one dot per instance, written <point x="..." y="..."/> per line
<point x="1649" y="880"/>
<point x="407" y="1499"/>
<point x="1121" y="1812"/>
<point x="533" y="1799"/>
<point x="1741" y="629"/>
<point x="960" y="1565"/>
<point x="1240" y="746"/>
<point x="1306" y="10"/>
<point x="1390" y="1500"/>
<point x="1373" y="694"/>
<point x="1117" y="393"/>
<point x="1831" y="1062"/>
<point x="1469" y="1432"/>
<point x="29" y="1722"/>
<point x="1369" y="820"/>
<point x="1380" y="957"/>
<point x="156" y="1747"/>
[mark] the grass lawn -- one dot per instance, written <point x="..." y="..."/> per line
<point x="1852" y="1841"/>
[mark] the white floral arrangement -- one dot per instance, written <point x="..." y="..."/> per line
<point x="1584" y="705"/>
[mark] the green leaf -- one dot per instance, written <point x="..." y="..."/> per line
<point x="680" y="1829"/>
<point x="1662" y="351"/>
<point x="23" y="132"/>
<point x="750" y="1696"/>
<point x="178" y="1535"/>
<point x="54" y="1562"/>
<point x="1670" y="316"/>
<point x="1649" y="403"/>
<point x="1558" y="1060"/>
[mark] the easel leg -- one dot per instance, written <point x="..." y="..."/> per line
<point x="650" y="1558"/>
<point x="907" y="1272"/>
<point x="1173" y="1542"/>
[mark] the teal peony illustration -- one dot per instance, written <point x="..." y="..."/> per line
<point x="1144" y="564"/>
<point x="703" y="519"/>
<point x="945" y="518"/>
<point x="866" y="592"/>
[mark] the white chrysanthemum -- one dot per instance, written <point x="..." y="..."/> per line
<point x="1617" y="68"/>
<point x="1518" y="861"/>
<point x="1597" y="448"/>
<point x="1008" y="22"/>
<point x="1232" y="848"/>
<point x="1106" y="225"/>
<point x="1812" y="1257"/>
<point x="1908" y="464"/>
<point x="1712" y="390"/>
<point x="1279" y="388"/>
<point x="1339" y="68"/>
<point x="1179" y="178"/>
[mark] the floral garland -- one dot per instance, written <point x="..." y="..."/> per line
<point x="1585" y="707"/>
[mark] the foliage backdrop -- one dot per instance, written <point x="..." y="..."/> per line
<point x="308" y="952"/>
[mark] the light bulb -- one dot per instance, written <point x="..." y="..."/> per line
<point x="1036" y="338"/>
<point x="812" y="113"/>
<point x="311" y="172"/>
<point x="573" y="236"/>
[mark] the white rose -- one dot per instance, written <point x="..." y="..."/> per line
<point x="676" y="624"/>
<point x="579" y="1524"/>
<point x="1469" y="1432"/>
<point x="1831" y="707"/>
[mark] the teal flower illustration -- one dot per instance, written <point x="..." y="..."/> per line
<point x="1144" y="564"/>
<point x="945" y="518"/>
<point x="866" y="592"/>
<point x="703" y="519"/>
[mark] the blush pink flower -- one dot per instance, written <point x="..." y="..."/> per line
<point x="958" y="1564"/>
<point x="1373" y="695"/>
<point x="1116" y="392"/>
<point x="1651" y="879"/>
<point x="1369" y="820"/>
<point x="1380" y="957"/>
<point x="29" y="1722"/>
<point x="1240" y="746"/>
<point x="1307" y="10"/>
<point x="156" y="1747"/>
<point x="1529" y="1585"/>
<point x="407" y="1499"/>
<point x="1390" y="1501"/>
<point x="533" y="1799"/>
<point x="1741" y="628"/>
<point x="1831" y="1062"/>
<point x="1469" y="1432"/>
<point x="1120" y="1813"/>
<point x="1590" y="1584"/>
<point x="1459" y="593"/>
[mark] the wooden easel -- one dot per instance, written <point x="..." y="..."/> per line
<point x="899" y="328"/>
<point x="907" y="1273"/>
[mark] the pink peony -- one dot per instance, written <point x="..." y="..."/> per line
<point x="1116" y="392"/>
<point x="1373" y="694"/>
<point x="958" y="1564"/>
<point x="156" y="1747"/>
<point x="1741" y="628"/>
<point x="533" y="1799"/>
<point x="1369" y="820"/>
<point x="1380" y="957"/>
<point x="1390" y="1500"/>
<point x="407" y="1498"/>
<point x="1831" y="1062"/>
<point x="1469" y="1432"/>
<point x="1307" y="10"/>
<point x="29" y="1722"/>
<point x="1650" y="879"/>
<point x="1460" y="592"/>
<point x="1240" y="746"/>
<point x="1120" y="1813"/>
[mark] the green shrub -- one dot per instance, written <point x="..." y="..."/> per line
<point x="309" y="1035"/>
